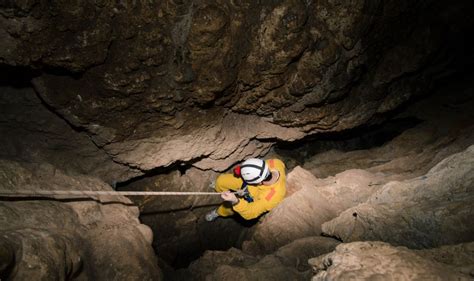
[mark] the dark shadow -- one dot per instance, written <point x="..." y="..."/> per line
<point x="6" y="271"/>
<point x="17" y="77"/>
<point x="331" y="236"/>
<point x="16" y="198"/>
<point x="226" y="240"/>
<point x="169" y="211"/>
<point x="364" y="137"/>
<point x="180" y="166"/>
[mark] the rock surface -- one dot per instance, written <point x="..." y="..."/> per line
<point x="163" y="82"/>
<point x="379" y="261"/>
<point x="65" y="238"/>
<point x="424" y="212"/>
<point x="317" y="201"/>
<point x="460" y="256"/>
<point x="419" y="197"/>
<point x="443" y="126"/>
<point x="287" y="263"/>
<point x="160" y="95"/>
<point x="35" y="134"/>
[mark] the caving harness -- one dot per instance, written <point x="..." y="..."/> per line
<point x="246" y="194"/>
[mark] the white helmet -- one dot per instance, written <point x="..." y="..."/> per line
<point x="254" y="170"/>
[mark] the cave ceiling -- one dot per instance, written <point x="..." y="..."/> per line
<point x="207" y="83"/>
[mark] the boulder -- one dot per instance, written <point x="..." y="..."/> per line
<point x="379" y="261"/>
<point x="424" y="212"/>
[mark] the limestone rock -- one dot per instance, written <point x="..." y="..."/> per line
<point x="35" y="134"/>
<point x="424" y="212"/>
<point x="235" y="265"/>
<point x="64" y="238"/>
<point x="141" y="78"/>
<point x="211" y="260"/>
<point x="289" y="262"/>
<point x="268" y="268"/>
<point x="316" y="201"/>
<point x="297" y="253"/>
<point x="459" y="256"/>
<point x="433" y="128"/>
<point x="379" y="261"/>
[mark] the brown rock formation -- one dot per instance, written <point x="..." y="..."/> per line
<point x="161" y="95"/>
<point x="377" y="260"/>
<point x="302" y="214"/>
<point x="444" y="127"/>
<point x="287" y="263"/>
<point x="141" y="78"/>
<point x="64" y="239"/>
<point x="417" y="213"/>
<point x="34" y="134"/>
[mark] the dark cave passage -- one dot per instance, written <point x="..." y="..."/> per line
<point x="367" y="103"/>
<point x="366" y="137"/>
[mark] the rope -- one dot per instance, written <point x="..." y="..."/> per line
<point x="93" y="192"/>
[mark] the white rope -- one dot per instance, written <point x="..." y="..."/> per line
<point x="12" y="193"/>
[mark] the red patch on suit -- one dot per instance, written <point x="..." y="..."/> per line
<point x="271" y="163"/>
<point x="270" y="194"/>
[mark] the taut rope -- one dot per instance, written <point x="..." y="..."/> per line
<point x="33" y="193"/>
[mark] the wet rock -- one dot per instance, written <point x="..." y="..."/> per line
<point x="417" y="213"/>
<point x="60" y="237"/>
<point x="379" y="261"/>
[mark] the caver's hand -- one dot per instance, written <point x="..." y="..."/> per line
<point x="229" y="196"/>
<point x="241" y="192"/>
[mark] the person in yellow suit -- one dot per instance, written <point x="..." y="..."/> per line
<point x="256" y="187"/>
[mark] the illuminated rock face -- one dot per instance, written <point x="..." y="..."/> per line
<point x="420" y="196"/>
<point x="56" y="239"/>
<point x="380" y="261"/>
<point x="176" y="91"/>
<point x="417" y="213"/>
<point x="141" y="78"/>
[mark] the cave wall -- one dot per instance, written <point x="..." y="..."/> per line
<point x="156" y="94"/>
<point x="142" y="78"/>
<point x="32" y="133"/>
<point x="60" y="237"/>
<point x="413" y="191"/>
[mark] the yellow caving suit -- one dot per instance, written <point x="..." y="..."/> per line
<point x="265" y="197"/>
